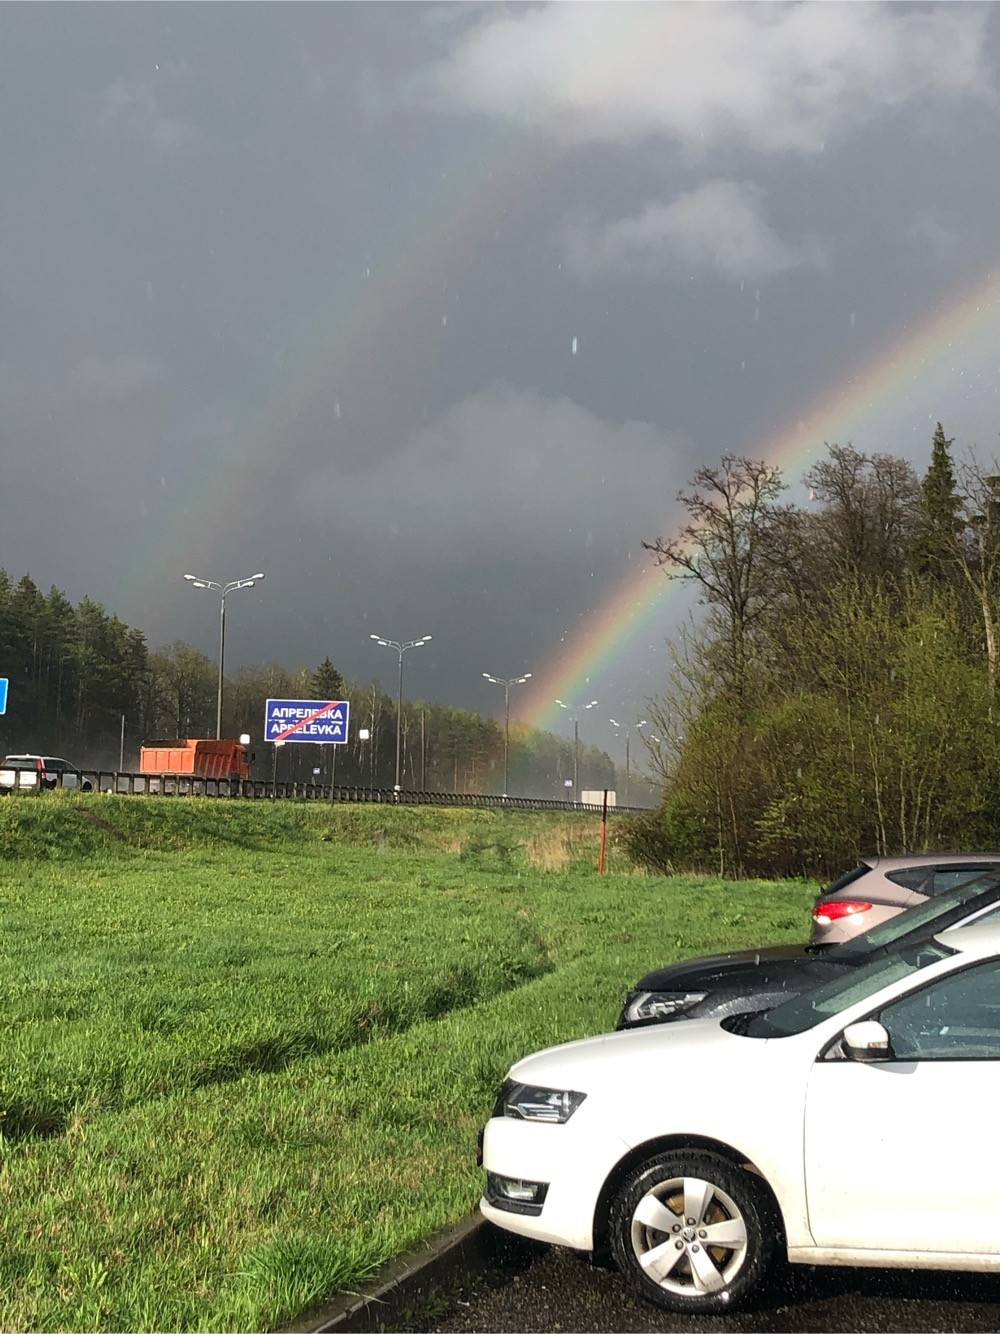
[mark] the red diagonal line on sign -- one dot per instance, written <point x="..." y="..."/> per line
<point x="311" y="719"/>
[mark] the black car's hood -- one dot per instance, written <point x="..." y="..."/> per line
<point x="713" y="970"/>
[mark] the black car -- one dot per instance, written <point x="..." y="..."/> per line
<point x="724" y="984"/>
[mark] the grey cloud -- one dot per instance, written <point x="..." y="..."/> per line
<point x="505" y="470"/>
<point x="116" y="377"/>
<point x="717" y="227"/>
<point x="932" y="229"/>
<point x="132" y="105"/>
<point x="776" y="78"/>
<point x="111" y="410"/>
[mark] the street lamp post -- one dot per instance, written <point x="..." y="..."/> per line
<point x="637" y="726"/>
<point x="513" y="681"/>
<point x="198" y="582"/>
<point x="400" y="649"/>
<point x="363" y="735"/>
<point x="575" y="710"/>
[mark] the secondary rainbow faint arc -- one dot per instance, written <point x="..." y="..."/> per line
<point x="950" y="345"/>
<point x="456" y="220"/>
<point x="436" y="234"/>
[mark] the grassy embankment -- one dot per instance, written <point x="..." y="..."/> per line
<point x="247" y="1048"/>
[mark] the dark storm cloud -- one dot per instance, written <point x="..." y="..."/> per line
<point x="689" y="222"/>
<point x="483" y="477"/>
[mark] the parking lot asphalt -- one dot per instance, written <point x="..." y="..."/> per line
<point x="551" y="1289"/>
<point x="477" y="1279"/>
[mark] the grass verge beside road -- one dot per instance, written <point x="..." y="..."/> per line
<point x="247" y="1047"/>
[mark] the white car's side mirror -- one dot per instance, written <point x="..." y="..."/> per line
<point x="867" y="1041"/>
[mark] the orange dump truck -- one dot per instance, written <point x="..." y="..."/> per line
<point x="197" y="758"/>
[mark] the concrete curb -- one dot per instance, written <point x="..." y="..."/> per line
<point x="445" y="1263"/>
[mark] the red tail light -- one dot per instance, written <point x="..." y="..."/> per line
<point x="836" y="908"/>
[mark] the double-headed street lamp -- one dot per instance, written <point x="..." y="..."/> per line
<point x="198" y="582"/>
<point x="637" y="726"/>
<point x="576" y="742"/>
<point x="513" y="681"/>
<point x="400" y="649"/>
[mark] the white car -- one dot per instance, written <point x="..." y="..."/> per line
<point x="34" y="771"/>
<point x="848" y="1125"/>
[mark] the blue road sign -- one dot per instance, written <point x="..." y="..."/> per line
<point x="3" y="694"/>
<point x="323" y="722"/>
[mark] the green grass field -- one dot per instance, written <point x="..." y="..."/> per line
<point x="247" y="1046"/>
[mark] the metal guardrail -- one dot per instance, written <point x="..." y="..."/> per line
<point x="174" y="785"/>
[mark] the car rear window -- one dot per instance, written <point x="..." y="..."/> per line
<point x="19" y="762"/>
<point x="845" y="880"/>
<point x="914" y="879"/>
<point x="947" y="877"/>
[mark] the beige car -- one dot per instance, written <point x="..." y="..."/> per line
<point x="880" y="887"/>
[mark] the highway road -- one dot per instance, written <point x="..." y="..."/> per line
<point x="550" y="1289"/>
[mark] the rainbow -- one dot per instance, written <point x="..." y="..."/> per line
<point x="912" y="384"/>
<point x="915" y="380"/>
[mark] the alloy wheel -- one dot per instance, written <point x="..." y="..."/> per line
<point x="689" y="1237"/>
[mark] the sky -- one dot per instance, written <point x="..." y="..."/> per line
<point x="429" y="311"/>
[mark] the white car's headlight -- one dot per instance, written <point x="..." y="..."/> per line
<point x="528" y="1102"/>
<point x="644" y="1007"/>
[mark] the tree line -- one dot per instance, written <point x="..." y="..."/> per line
<point x="837" y="694"/>
<point x="85" y="685"/>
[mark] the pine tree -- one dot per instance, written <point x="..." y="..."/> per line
<point x="940" y="522"/>
<point x="327" y="683"/>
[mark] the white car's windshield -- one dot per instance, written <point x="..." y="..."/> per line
<point x="805" y="1011"/>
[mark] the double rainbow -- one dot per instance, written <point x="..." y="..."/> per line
<point x="922" y="377"/>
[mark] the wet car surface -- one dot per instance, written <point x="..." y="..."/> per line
<point x="799" y="1131"/>
<point x="744" y="980"/>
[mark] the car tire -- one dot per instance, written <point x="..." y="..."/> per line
<point x="662" y="1225"/>
<point x="86" y="786"/>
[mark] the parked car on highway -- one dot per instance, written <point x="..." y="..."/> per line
<point x="721" y="984"/>
<point x="831" y="1129"/>
<point x="879" y="887"/>
<point x="32" y="771"/>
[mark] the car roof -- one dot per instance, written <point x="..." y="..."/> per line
<point x="43" y="758"/>
<point x="930" y="859"/>
<point x="978" y="938"/>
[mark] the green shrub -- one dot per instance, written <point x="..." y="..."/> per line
<point x="675" y="837"/>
